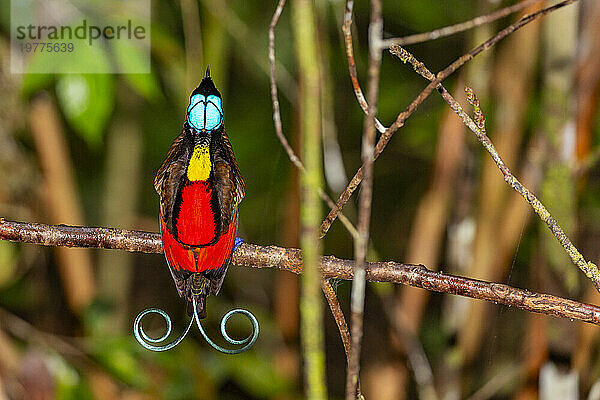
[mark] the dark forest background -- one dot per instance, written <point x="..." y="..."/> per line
<point x="66" y="314"/>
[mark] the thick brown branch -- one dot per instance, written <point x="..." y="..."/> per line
<point x="80" y="236"/>
<point x="251" y="255"/>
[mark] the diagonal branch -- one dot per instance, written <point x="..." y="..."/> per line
<point x="288" y="259"/>
<point x="404" y="115"/>
<point x="338" y="314"/>
<point x="587" y="267"/>
<point x="478" y="127"/>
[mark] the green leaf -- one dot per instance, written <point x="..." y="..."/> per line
<point x="130" y="57"/>
<point x="87" y="102"/>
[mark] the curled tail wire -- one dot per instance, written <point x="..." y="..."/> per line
<point x="245" y="343"/>
<point x="198" y="302"/>
<point x="152" y="343"/>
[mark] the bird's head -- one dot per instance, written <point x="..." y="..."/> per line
<point x="205" y="112"/>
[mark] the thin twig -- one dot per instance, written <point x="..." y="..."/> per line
<point x="338" y="315"/>
<point x="403" y="116"/>
<point x="277" y="117"/>
<point x="457" y="28"/>
<point x="289" y="259"/>
<point x="361" y="242"/>
<point x="274" y="96"/>
<point x="347" y="30"/>
<point x="478" y="127"/>
<point x="340" y="321"/>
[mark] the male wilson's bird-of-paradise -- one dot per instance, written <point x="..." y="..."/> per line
<point x="200" y="188"/>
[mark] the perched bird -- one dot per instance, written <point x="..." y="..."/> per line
<point x="200" y="188"/>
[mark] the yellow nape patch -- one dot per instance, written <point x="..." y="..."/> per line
<point x="199" y="167"/>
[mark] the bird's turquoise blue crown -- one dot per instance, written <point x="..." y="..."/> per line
<point x="205" y="111"/>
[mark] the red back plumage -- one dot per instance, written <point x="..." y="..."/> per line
<point x="195" y="221"/>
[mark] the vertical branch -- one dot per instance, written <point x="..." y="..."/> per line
<point x="311" y="307"/>
<point x="365" y="200"/>
<point x="326" y="286"/>
<point x="340" y="321"/>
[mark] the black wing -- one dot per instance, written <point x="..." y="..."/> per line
<point x="168" y="178"/>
